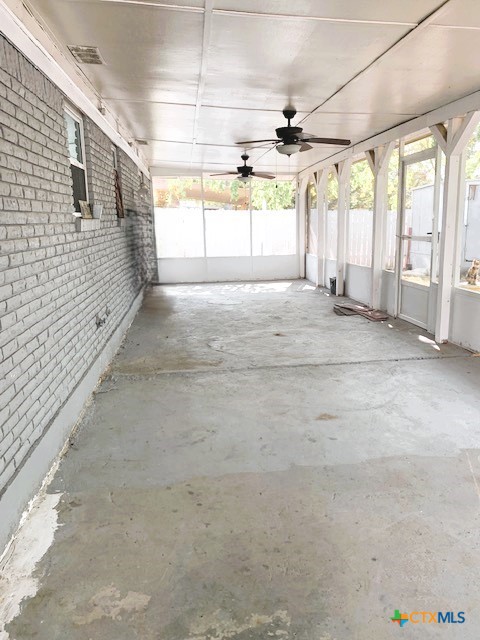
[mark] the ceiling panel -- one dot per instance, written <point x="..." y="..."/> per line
<point x="217" y="159"/>
<point x="264" y="63"/>
<point x="166" y="153"/>
<point x="436" y="68"/>
<point x="158" y="121"/>
<point x="354" y="126"/>
<point x="228" y="126"/>
<point x="219" y="155"/>
<point x="461" y="13"/>
<point x="149" y="52"/>
<point x="396" y="10"/>
<point x="213" y="156"/>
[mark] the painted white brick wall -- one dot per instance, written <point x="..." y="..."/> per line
<point x="55" y="280"/>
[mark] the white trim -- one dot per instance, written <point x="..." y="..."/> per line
<point x="419" y="156"/>
<point x="452" y="109"/>
<point x="77" y="117"/>
<point x="415" y="285"/>
<point x="417" y="323"/>
<point x="18" y="34"/>
<point x="465" y="292"/>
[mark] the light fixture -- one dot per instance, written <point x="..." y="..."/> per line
<point x="289" y="149"/>
<point x="143" y="191"/>
<point x="244" y="178"/>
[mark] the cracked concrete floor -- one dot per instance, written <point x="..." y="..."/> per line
<point x="255" y="466"/>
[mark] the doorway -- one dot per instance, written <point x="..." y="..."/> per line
<point x="418" y="238"/>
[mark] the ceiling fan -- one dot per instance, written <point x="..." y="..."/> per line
<point x="292" y="139"/>
<point x="244" y="173"/>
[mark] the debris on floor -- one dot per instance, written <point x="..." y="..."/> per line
<point x="349" y="309"/>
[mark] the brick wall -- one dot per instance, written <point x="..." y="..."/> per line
<point x="55" y="280"/>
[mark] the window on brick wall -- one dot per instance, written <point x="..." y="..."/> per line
<point x="118" y="185"/>
<point x="76" y="152"/>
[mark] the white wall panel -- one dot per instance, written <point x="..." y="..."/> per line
<point x="465" y="324"/>
<point x="358" y="283"/>
<point x="177" y="270"/>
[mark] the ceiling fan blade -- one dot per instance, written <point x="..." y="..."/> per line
<point x="305" y="146"/>
<point x="338" y="141"/>
<point x="304" y="136"/>
<point x="228" y="173"/>
<point x="267" y="176"/>
<point x="255" y="141"/>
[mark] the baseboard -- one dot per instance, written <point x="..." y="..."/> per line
<point x="33" y="471"/>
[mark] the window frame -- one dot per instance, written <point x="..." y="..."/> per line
<point x="77" y="116"/>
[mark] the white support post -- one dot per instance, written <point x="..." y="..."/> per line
<point x="455" y="137"/>
<point x="301" y="227"/>
<point x="322" y="177"/>
<point x="343" y="175"/>
<point x="380" y="158"/>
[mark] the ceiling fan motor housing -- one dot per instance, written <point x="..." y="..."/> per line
<point x="245" y="170"/>
<point x="289" y="134"/>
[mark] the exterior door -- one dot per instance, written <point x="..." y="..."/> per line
<point x="417" y="238"/>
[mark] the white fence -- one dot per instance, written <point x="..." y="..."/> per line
<point x="331" y="235"/>
<point x="192" y="233"/>
<point x="360" y="229"/>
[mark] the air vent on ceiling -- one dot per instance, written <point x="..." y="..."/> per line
<point x="141" y="142"/>
<point x="85" y="54"/>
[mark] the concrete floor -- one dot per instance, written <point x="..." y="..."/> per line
<point x="256" y="467"/>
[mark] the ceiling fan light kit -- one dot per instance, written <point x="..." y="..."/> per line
<point x="289" y="149"/>
<point x="292" y="139"/>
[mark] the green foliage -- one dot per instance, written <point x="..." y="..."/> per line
<point x="416" y="175"/>
<point x="269" y="195"/>
<point x="361" y="179"/>
<point x="472" y="169"/>
<point x="332" y="191"/>
<point x="311" y="195"/>
<point x="175" y="191"/>
<point x="233" y="194"/>
<point x="392" y="184"/>
<point x="273" y="195"/>
<point x="361" y="186"/>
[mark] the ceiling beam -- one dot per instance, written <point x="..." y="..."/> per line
<point x="207" y="29"/>
<point x="288" y="16"/>
<point x="159" y="5"/>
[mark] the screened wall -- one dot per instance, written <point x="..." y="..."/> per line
<point x="360" y="215"/>
<point x="238" y="230"/>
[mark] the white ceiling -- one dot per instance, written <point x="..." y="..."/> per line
<point x="195" y="76"/>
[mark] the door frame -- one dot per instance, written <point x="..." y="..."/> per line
<point x="434" y="153"/>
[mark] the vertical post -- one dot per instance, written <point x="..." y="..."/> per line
<point x="252" y="269"/>
<point x="399" y="230"/>
<point x="203" y="218"/>
<point x="447" y="247"/>
<point x="380" y="204"/>
<point x="455" y="138"/>
<point x="322" y="177"/>
<point x="343" y="174"/>
<point x="301" y="215"/>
